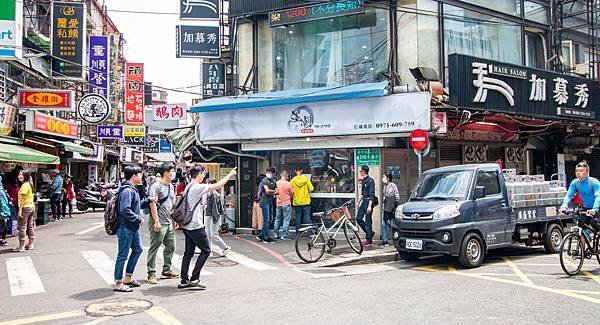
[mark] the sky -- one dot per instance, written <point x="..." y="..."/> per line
<point x="151" y="40"/>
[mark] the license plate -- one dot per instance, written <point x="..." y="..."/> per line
<point x="415" y="244"/>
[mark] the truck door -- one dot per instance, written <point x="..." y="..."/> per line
<point x="492" y="211"/>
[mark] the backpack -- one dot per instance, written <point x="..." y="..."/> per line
<point x="112" y="219"/>
<point x="182" y="215"/>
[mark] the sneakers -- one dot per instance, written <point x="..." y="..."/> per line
<point x="3" y="243"/>
<point x="268" y="241"/>
<point x="259" y="238"/>
<point x="365" y="244"/>
<point x="169" y="275"/>
<point x="152" y="279"/>
<point x="29" y="247"/>
<point x="384" y="244"/>
<point x="192" y="285"/>
<point x="19" y="249"/>
<point x="225" y="251"/>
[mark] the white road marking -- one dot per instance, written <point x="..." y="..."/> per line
<point x="22" y="276"/>
<point x="97" y="225"/>
<point x="349" y="270"/>
<point x="177" y="260"/>
<point x="102" y="264"/>
<point x="248" y="262"/>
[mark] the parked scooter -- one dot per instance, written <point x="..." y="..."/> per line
<point x="94" y="199"/>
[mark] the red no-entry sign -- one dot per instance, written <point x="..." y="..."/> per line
<point x="418" y="139"/>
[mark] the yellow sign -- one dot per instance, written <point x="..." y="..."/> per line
<point x="134" y="131"/>
<point x="43" y="99"/>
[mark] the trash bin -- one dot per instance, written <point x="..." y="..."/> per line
<point x="43" y="211"/>
<point x="230" y="218"/>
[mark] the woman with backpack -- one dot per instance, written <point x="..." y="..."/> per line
<point x="212" y="219"/>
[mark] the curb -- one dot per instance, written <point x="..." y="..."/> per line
<point x="367" y="259"/>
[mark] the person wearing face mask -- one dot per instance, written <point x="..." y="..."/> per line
<point x="160" y="226"/>
<point x="391" y="200"/>
<point x="267" y="190"/>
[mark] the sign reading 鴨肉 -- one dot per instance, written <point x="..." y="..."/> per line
<point x="134" y="135"/>
<point x="213" y="79"/>
<point x="500" y="87"/>
<point x="315" y="12"/>
<point x="68" y="39"/>
<point x="368" y="157"/>
<point x="169" y="112"/>
<point x="47" y="99"/>
<point x="99" y="66"/>
<point x="198" y="41"/>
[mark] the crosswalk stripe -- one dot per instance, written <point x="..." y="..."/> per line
<point x="177" y="260"/>
<point x="102" y="264"/>
<point x="22" y="276"/>
<point x="248" y="262"/>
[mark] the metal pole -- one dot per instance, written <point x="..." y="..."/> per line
<point x="420" y="160"/>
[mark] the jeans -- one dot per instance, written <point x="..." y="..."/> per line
<point x="302" y="216"/>
<point x="267" y="210"/>
<point x="55" y="205"/>
<point x="3" y="228"/>
<point x="212" y="232"/>
<point x="385" y="225"/>
<point x="66" y="202"/>
<point x="128" y="239"/>
<point x="365" y="220"/>
<point x="166" y="237"/>
<point x="194" y="238"/>
<point x="284" y="214"/>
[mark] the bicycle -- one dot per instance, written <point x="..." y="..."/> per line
<point x="313" y="239"/>
<point x="577" y="245"/>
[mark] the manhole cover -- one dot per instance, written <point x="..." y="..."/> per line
<point x="117" y="307"/>
<point x="222" y="262"/>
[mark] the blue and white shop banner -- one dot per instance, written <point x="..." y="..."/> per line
<point x="99" y="66"/>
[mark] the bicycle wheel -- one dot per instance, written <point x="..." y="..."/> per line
<point x="310" y="246"/>
<point x="352" y="238"/>
<point x="571" y="254"/>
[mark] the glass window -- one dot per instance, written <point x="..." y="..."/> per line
<point x="534" y="51"/>
<point x="331" y="52"/>
<point x="441" y="186"/>
<point x="483" y="36"/>
<point x="511" y="7"/>
<point x="489" y="180"/>
<point x="536" y="12"/>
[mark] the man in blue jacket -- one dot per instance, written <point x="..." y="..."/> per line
<point x="128" y="231"/>
<point x="56" y="190"/>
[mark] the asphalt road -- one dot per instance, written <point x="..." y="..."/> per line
<point x="65" y="280"/>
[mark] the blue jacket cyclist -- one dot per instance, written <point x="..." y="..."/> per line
<point x="587" y="187"/>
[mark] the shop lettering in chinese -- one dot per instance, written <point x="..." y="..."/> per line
<point x="42" y="123"/>
<point x="109" y="131"/>
<point x="134" y="93"/>
<point x="99" y="66"/>
<point x="7" y="118"/>
<point x="68" y="39"/>
<point x="134" y="135"/>
<point x="169" y="112"/>
<point x="500" y="87"/>
<point x="198" y="42"/>
<point x="213" y="79"/>
<point x="47" y="99"/>
<point x="316" y="12"/>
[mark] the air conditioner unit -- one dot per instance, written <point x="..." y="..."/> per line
<point x="474" y="153"/>
<point x="514" y="154"/>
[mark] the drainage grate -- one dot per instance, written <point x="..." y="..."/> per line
<point x="117" y="307"/>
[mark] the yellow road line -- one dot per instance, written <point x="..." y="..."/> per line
<point x="44" y="318"/>
<point x="517" y="271"/>
<point x="163" y="316"/>
<point x="592" y="276"/>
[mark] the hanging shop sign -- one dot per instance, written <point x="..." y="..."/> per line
<point x="99" y="66"/>
<point x="152" y="143"/>
<point x="134" y="135"/>
<point x="198" y="42"/>
<point x="388" y="114"/>
<point x="47" y="99"/>
<point x="7" y="118"/>
<point x="97" y="155"/>
<point x="109" y="131"/>
<point x="213" y="79"/>
<point x="165" y="146"/>
<point x="368" y="157"/>
<point x="68" y="39"/>
<point x="11" y="29"/>
<point x="316" y="12"/>
<point x="499" y="87"/>
<point x="200" y="9"/>
<point x="169" y="112"/>
<point x="42" y="123"/>
<point x="134" y="93"/>
<point x="439" y="122"/>
<point x="93" y="109"/>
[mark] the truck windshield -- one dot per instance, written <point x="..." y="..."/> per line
<point x="442" y="186"/>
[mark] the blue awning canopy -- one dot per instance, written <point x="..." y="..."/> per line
<point x="377" y="89"/>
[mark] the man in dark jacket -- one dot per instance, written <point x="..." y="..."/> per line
<point x="365" y="206"/>
<point x="128" y="231"/>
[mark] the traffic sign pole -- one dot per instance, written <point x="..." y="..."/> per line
<point x="419" y="140"/>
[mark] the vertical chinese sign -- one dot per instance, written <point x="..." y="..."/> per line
<point x="68" y="39"/>
<point x="99" y="66"/>
<point x="134" y="93"/>
<point x="213" y="79"/>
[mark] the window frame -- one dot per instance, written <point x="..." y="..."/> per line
<point x="480" y="172"/>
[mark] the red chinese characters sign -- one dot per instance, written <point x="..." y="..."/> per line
<point x="47" y="99"/>
<point x="169" y="112"/>
<point x="134" y="93"/>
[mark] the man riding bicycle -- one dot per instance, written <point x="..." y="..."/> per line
<point x="588" y="189"/>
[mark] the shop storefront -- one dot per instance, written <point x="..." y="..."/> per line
<point x="89" y="166"/>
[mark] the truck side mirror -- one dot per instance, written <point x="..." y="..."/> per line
<point x="479" y="192"/>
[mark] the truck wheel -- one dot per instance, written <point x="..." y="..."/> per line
<point x="553" y="238"/>
<point x="410" y="257"/>
<point x="471" y="251"/>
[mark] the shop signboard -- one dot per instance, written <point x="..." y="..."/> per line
<point x="376" y="115"/>
<point x="481" y="84"/>
<point x="7" y="118"/>
<point x="440" y="122"/>
<point x="152" y="143"/>
<point x="169" y="112"/>
<point x="165" y="146"/>
<point x="11" y="29"/>
<point x="316" y="12"/>
<point x="68" y="39"/>
<point x="213" y="79"/>
<point x="134" y="93"/>
<point x="97" y="155"/>
<point x="199" y="9"/>
<point x="93" y="109"/>
<point x="42" y="123"/>
<point x="99" y="66"/>
<point x="198" y="42"/>
<point x="109" y="132"/>
<point x="368" y="157"/>
<point x="134" y="135"/>
<point x="47" y="99"/>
